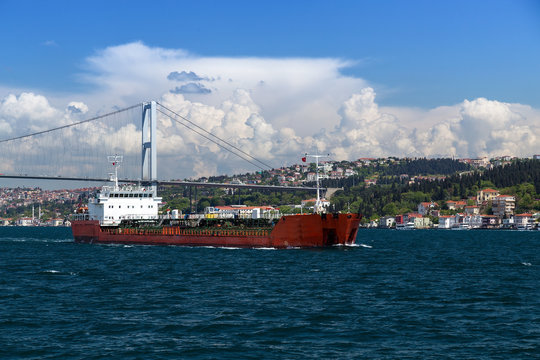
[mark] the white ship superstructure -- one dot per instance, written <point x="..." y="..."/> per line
<point x="114" y="203"/>
<point x="111" y="206"/>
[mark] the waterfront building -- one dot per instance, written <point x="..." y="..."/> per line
<point x="422" y="223"/>
<point x="524" y="221"/>
<point x="490" y="221"/>
<point x="25" y="221"/>
<point x="387" y="221"/>
<point x="503" y="205"/>
<point x="446" y="221"/>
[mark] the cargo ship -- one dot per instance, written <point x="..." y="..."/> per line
<point x="130" y="215"/>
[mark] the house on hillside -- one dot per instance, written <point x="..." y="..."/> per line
<point x="486" y="195"/>
<point x="472" y="210"/>
<point x="424" y="208"/>
<point x="503" y="205"/>
<point x="456" y="205"/>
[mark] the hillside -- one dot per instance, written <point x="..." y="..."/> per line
<point x="394" y="195"/>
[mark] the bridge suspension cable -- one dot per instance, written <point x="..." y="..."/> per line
<point x="76" y="150"/>
<point x="70" y="125"/>
<point x="214" y="138"/>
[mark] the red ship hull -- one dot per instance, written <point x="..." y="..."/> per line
<point x="290" y="231"/>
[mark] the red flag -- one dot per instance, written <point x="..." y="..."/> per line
<point x="304" y="159"/>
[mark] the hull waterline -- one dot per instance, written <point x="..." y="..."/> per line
<point x="290" y="231"/>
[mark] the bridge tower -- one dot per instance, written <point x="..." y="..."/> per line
<point x="149" y="152"/>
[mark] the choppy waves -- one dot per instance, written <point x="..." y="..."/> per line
<point x="410" y="295"/>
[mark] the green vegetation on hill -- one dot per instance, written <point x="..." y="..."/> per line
<point x="394" y="195"/>
<point x="381" y="187"/>
<point x="414" y="167"/>
<point x="397" y="190"/>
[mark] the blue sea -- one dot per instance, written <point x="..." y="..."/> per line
<point x="396" y="295"/>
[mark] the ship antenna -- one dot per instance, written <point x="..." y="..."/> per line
<point x="318" y="204"/>
<point x="115" y="160"/>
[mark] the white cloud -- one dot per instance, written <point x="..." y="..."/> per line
<point x="27" y="113"/>
<point x="274" y="109"/>
<point x="77" y="107"/>
<point x="300" y="91"/>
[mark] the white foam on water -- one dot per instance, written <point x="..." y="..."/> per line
<point x="265" y="248"/>
<point x="57" y="272"/>
<point x="526" y="263"/>
<point x="52" y="271"/>
<point x="366" y="246"/>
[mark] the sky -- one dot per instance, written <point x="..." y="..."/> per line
<point x="281" y="78"/>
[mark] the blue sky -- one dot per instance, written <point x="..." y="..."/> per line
<point x="356" y="78"/>
<point x="421" y="53"/>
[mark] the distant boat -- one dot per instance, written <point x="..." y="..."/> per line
<point x="406" y="226"/>
<point x="461" y="227"/>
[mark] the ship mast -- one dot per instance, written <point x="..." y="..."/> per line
<point x="318" y="208"/>
<point x="115" y="160"/>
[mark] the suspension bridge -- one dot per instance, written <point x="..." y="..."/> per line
<point x="77" y="151"/>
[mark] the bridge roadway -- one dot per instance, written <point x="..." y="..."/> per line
<point x="170" y="182"/>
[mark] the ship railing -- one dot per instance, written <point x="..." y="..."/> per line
<point x="195" y="232"/>
<point x="138" y="217"/>
<point x="80" y="217"/>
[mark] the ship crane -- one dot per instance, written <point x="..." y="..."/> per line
<point x="318" y="208"/>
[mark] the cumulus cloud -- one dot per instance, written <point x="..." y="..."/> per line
<point x="28" y="112"/>
<point x="273" y="109"/>
<point x="191" y="88"/>
<point x="76" y="107"/>
<point x="185" y="76"/>
<point x="304" y="92"/>
<point x="482" y="127"/>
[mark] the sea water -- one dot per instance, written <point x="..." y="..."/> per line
<point x="396" y="295"/>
